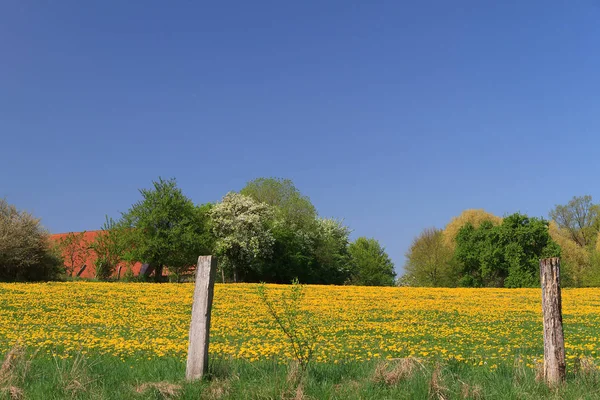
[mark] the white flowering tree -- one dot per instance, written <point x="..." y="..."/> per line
<point x="242" y="232"/>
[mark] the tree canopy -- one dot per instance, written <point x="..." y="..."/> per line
<point x="505" y="255"/>
<point x="293" y="207"/>
<point x="271" y="232"/>
<point x="330" y="258"/>
<point x="580" y="218"/>
<point x="25" y="250"/>
<point x="575" y="260"/>
<point x="371" y="266"/>
<point x="429" y="261"/>
<point x="243" y="236"/>
<point x="474" y="217"/>
<point x="166" y="229"/>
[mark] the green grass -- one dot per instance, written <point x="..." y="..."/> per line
<point x="39" y="376"/>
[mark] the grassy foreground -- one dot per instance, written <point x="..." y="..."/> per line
<point x="116" y="341"/>
<point x="28" y="376"/>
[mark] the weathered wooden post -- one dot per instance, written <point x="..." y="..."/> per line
<point x="554" y="341"/>
<point x="197" y="360"/>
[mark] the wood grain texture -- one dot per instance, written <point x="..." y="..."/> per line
<point x="554" y="341"/>
<point x="197" y="360"/>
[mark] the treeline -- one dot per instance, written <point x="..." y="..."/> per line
<point x="268" y="231"/>
<point x="479" y="249"/>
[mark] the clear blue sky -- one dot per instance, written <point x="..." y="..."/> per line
<point x="394" y="116"/>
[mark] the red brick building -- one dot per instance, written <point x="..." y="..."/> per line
<point x="90" y="268"/>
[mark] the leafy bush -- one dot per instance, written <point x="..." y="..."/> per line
<point x="371" y="266"/>
<point x="25" y="250"/>
<point x="504" y="255"/>
<point x="110" y="247"/>
<point x="297" y="323"/>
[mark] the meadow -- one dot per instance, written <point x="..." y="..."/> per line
<point x="132" y="333"/>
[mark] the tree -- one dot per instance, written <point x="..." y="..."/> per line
<point x="243" y="236"/>
<point x="110" y="245"/>
<point x="580" y="218"/>
<point x="473" y="216"/>
<point x="75" y="250"/>
<point x="330" y="260"/>
<point x="166" y="229"/>
<point x="25" y="250"/>
<point x="504" y="255"/>
<point x="429" y="261"/>
<point x="371" y="266"/>
<point x="575" y="260"/>
<point x="294" y="228"/>
<point x="293" y="207"/>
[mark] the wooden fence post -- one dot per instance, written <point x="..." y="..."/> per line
<point x="554" y="341"/>
<point x="197" y="360"/>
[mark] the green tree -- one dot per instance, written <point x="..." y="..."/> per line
<point x="294" y="228"/>
<point x="289" y="204"/>
<point x="166" y="229"/>
<point x="243" y="235"/>
<point x="575" y="261"/>
<point x="504" y="255"/>
<point x="474" y="217"/>
<point x="330" y="260"/>
<point x="580" y="218"/>
<point x="591" y="276"/>
<point x="26" y="253"/>
<point x="371" y="266"/>
<point x="304" y="246"/>
<point x="429" y="261"/>
<point x="111" y="245"/>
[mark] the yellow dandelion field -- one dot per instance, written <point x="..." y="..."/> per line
<point x="130" y="320"/>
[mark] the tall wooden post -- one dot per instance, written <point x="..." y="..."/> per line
<point x="197" y="360"/>
<point x="554" y="341"/>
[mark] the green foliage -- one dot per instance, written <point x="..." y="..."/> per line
<point x="293" y="226"/>
<point x="504" y="255"/>
<point x="330" y="261"/>
<point x="166" y="229"/>
<point x="295" y="322"/>
<point x="429" y="261"/>
<point x="279" y="240"/>
<point x="110" y="245"/>
<point x="291" y="256"/>
<point x="580" y="218"/>
<point x="575" y="228"/>
<point x="474" y="217"/>
<point x="575" y="260"/>
<point x="304" y="246"/>
<point x="291" y="206"/>
<point x="129" y="276"/>
<point x="25" y="250"/>
<point x="371" y="266"/>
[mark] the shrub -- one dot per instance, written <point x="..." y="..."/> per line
<point x="297" y="323"/>
<point x="25" y="250"/>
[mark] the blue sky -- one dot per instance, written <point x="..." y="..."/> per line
<point x="394" y="116"/>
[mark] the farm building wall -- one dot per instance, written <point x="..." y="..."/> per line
<point x="90" y="270"/>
